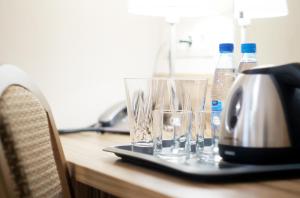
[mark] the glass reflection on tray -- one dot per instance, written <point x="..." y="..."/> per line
<point x="192" y="161"/>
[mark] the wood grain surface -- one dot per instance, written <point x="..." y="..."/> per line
<point x="104" y="171"/>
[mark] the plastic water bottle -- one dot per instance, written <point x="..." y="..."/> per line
<point x="248" y="56"/>
<point x="223" y="78"/>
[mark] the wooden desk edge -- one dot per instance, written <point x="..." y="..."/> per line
<point x="108" y="183"/>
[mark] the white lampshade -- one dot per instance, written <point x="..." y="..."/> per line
<point x="252" y="9"/>
<point x="180" y="8"/>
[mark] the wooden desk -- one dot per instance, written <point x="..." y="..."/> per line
<point x="104" y="171"/>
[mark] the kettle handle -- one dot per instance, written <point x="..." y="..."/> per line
<point x="288" y="74"/>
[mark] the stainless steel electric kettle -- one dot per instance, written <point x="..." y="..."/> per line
<point x="261" y="119"/>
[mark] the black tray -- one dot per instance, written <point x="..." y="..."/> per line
<point x="198" y="170"/>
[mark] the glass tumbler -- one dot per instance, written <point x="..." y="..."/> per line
<point x="143" y="95"/>
<point x="188" y="94"/>
<point x="172" y="131"/>
<point x="207" y="138"/>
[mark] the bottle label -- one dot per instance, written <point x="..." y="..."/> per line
<point x="216" y="105"/>
<point x="216" y="110"/>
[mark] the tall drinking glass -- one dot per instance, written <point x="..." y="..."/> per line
<point x="142" y="96"/>
<point x="188" y="95"/>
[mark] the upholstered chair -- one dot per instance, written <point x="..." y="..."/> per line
<point x="32" y="163"/>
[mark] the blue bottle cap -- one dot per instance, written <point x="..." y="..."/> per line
<point x="226" y="47"/>
<point x="248" y="48"/>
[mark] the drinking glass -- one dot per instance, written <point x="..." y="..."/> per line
<point x="142" y="97"/>
<point x="207" y="137"/>
<point x="188" y="95"/>
<point x="171" y="133"/>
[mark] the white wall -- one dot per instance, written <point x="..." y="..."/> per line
<point x="200" y="57"/>
<point x="278" y="39"/>
<point x="78" y="51"/>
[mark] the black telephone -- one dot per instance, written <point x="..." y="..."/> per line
<point x="113" y="119"/>
<point x="113" y="115"/>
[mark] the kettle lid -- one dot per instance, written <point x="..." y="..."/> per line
<point x="288" y="74"/>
